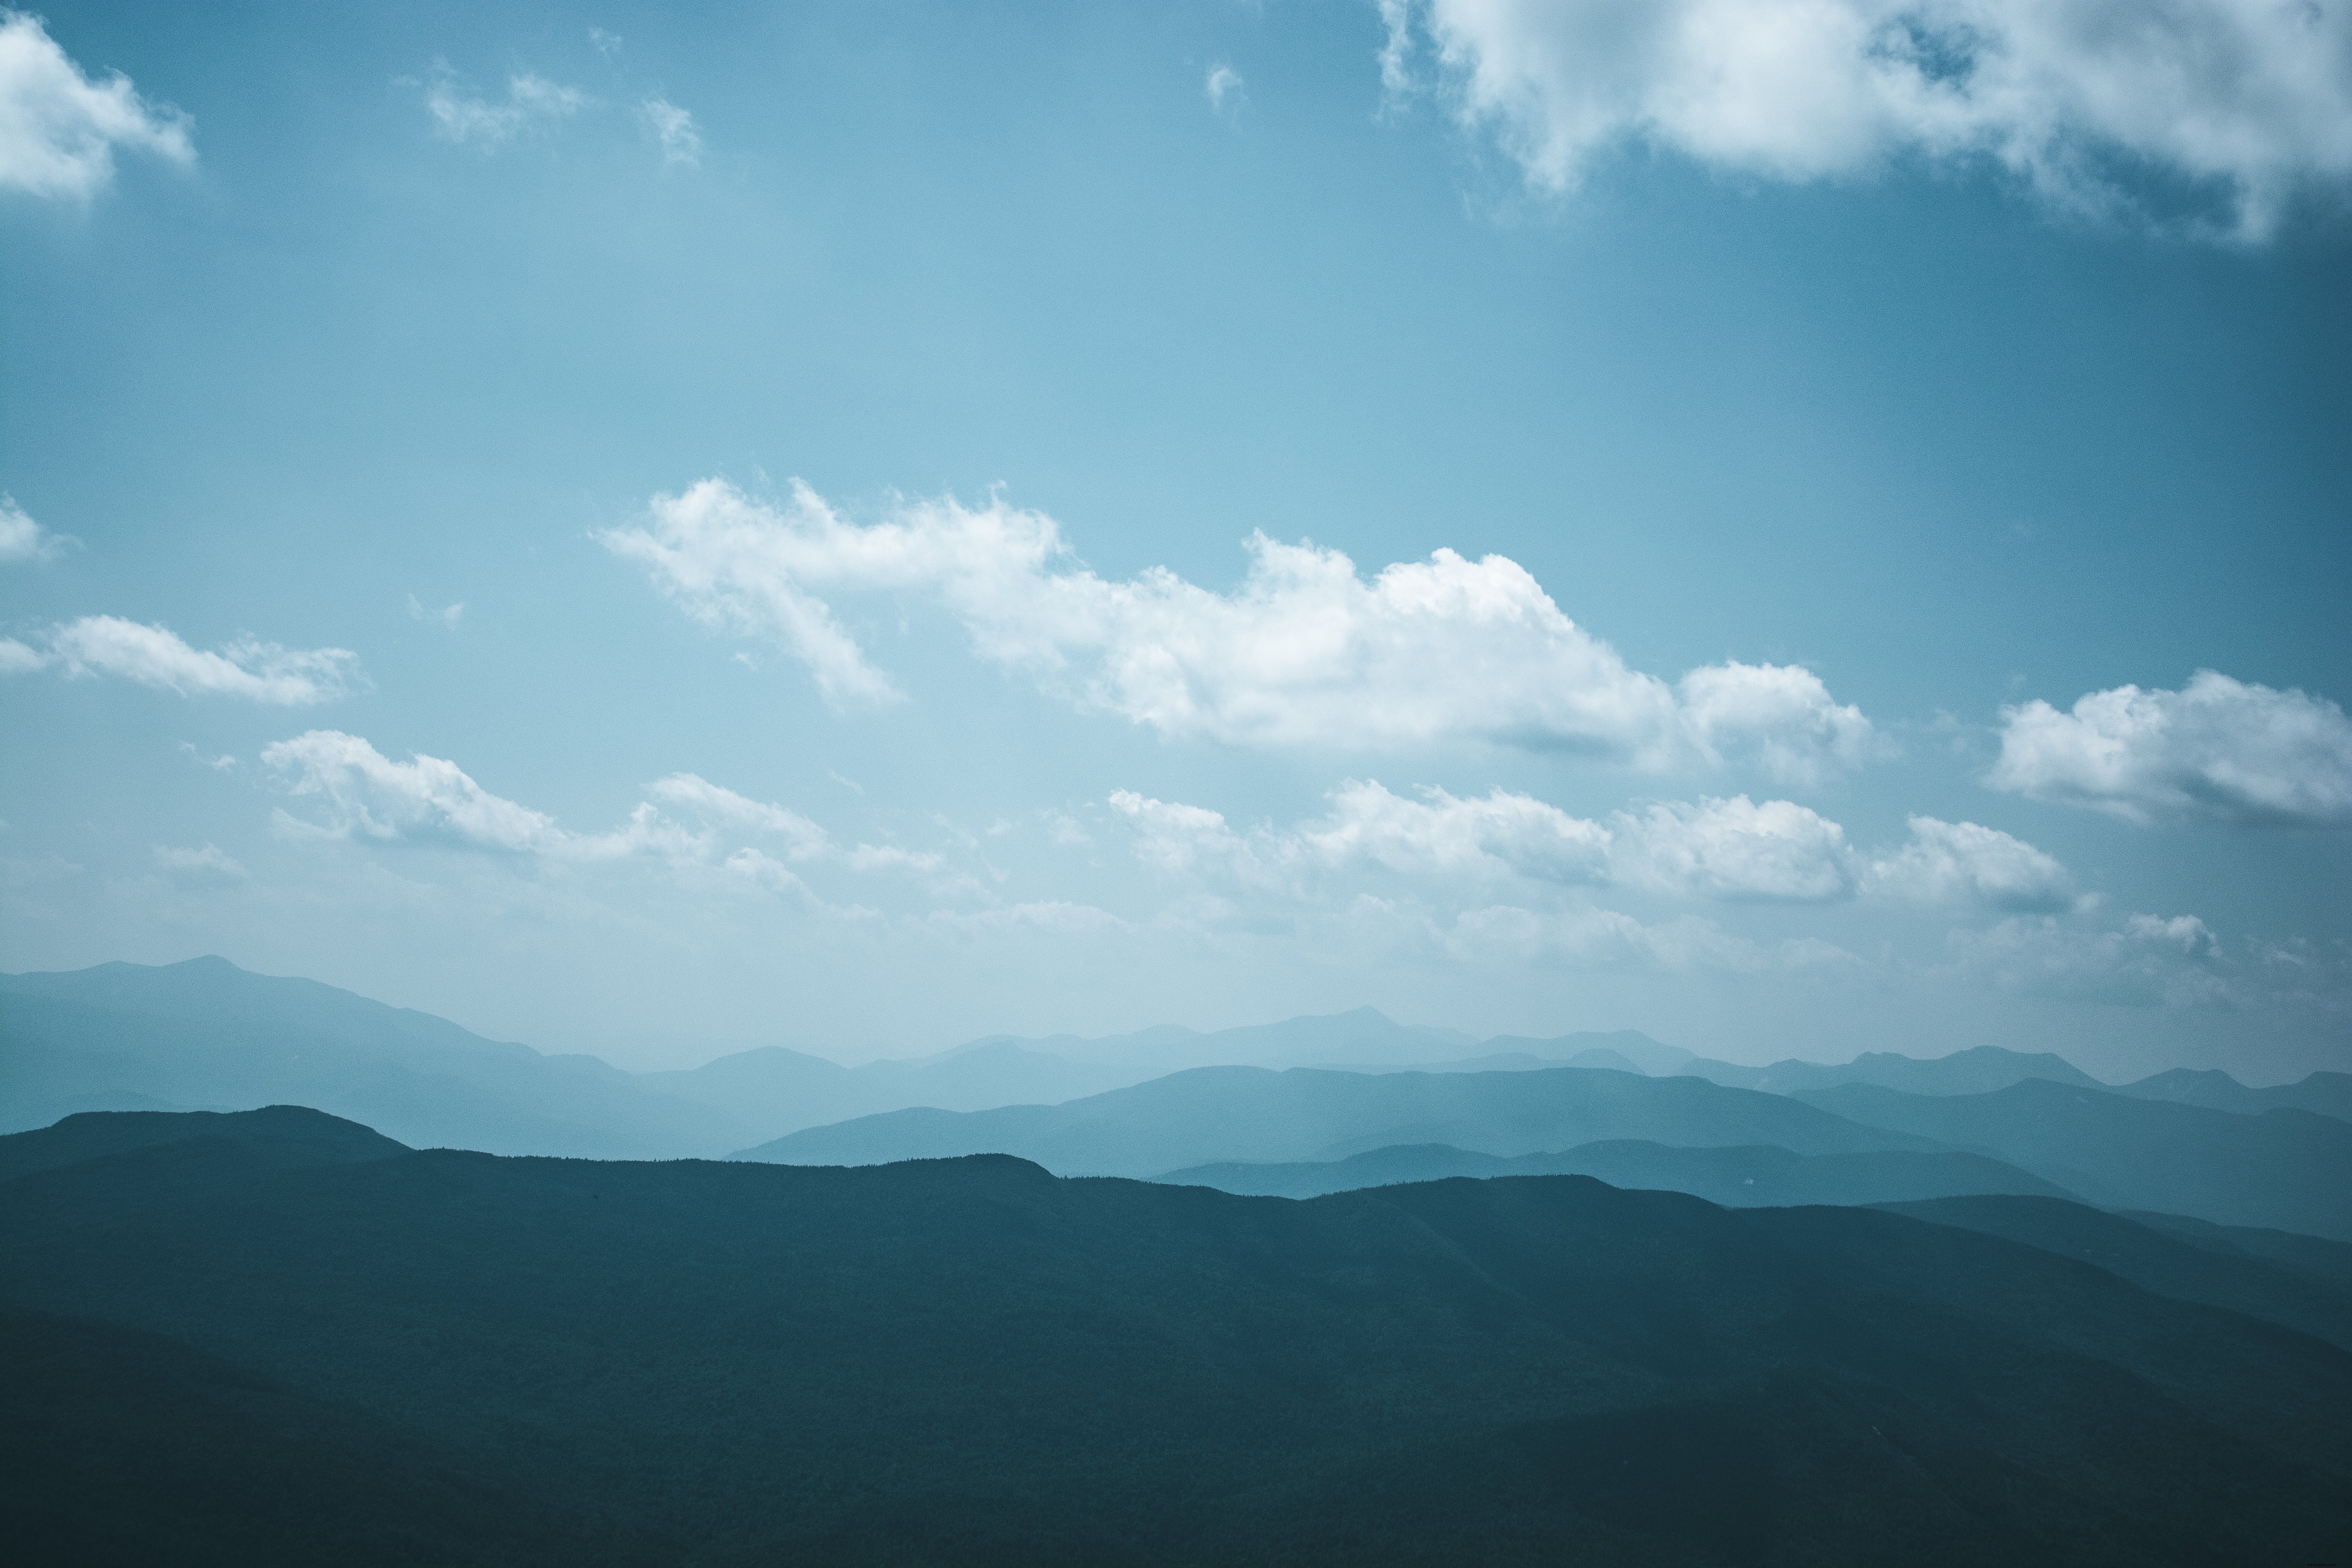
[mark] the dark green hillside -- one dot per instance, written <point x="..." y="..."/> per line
<point x="2288" y="1169"/>
<point x="121" y="1447"/>
<point x="311" y="1137"/>
<point x="1216" y="1115"/>
<point x="2150" y="1257"/>
<point x="2315" y="1257"/>
<point x="972" y="1361"/>
<point x="1748" y="1177"/>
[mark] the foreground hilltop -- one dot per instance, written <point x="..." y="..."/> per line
<point x="457" y="1358"/>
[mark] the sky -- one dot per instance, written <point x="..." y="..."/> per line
<point x="1795" y="528"/>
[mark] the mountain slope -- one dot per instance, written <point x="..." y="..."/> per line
<point x="206" y="1033"/>
<point x="2326" y="1093"/>
<point x="1213" y="1115"/>
<point x="2152" y="1257"/>
<point x="1979" y="1070"/>
<point x="2288" y="1169"/>
<point x="1735" y="1177"/>
<point x="971" y="1360"/>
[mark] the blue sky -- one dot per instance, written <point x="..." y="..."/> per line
<point x="656" y="530"/>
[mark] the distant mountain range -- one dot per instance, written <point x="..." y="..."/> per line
<point x="275" y="1338"/>
<point x="1253" y="1115"/>
<point x="1313" y="1092"/>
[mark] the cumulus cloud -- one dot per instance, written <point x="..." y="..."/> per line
<point x="1950" y="861"/>
<point x="2249" y="102"/>
<point x="1304" y="652"/>
<point x="1732" y="849"/>
<point x="156" y="656"/>
<point x="1224" y="88"/>
<point x="353" y="791"/>
<point x="464" y="118"/>
<point x="674" y="128"/>
<point x="59" y="129"/>
<point x="2219" y="749"/>
<point x="22" y="539"/>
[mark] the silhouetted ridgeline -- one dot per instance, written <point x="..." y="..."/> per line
<point x="242" y="1352"/>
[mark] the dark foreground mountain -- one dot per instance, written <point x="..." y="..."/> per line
<point x="1751" y="1177"/>
<point x="2285" y="1168"/>
<point x="971" y="1360"/>
<point x="2150" y="1255"/>
<point x="1217" y="1115"/>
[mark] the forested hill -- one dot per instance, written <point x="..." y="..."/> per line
<point x="973" y="1361"/>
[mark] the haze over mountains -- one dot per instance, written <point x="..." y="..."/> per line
<point x="1400" y="1102"/>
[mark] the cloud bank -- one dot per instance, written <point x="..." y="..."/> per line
<point x="2249" y="99"/>
<point x="59" y="129"/>
<point x="1305" y="652"/>
<point x="1732" y="849"/>
<point x="2218" y="750"/>
<point x="156" y="656"/>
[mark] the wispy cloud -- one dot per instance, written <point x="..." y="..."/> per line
<point x="1305" y="653"/>
<point x="1225" y="88"/>
<point x="2220" y="749"/>
<point x="674" y="128"/>
<point x="464" y="116"/>
<point x="156" y="655"/>
<point x="207" y="862"/>
<point x="22" y="539"/>
<point x="446" y="617"/>
<point x="59" y="129"/>
<point x="2249" y="100"/>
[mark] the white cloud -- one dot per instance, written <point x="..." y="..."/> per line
<point x="156" y="656"/>
<point x="2250" y="100"/>
<point x="2219" y="749"/>
<point x="1224" y="87"/>
<point x="1951" y="862"/>
<point x="208" y="861"/>
<point x="466" y="119"/>
<point x="1731" y="849"/>
<point x="60" y="130"/>
<point x="22" y="539"/>
<point x="674" y="128"/>
<point x="1304" y="652"/>
<point x="2147" y="961"/>
<point x="1734" y="848"/>
<point x="366" y="795"/>
<point x="446" y="617"/>
<point x="356" y="792"/>
<point x="606" y="44"/>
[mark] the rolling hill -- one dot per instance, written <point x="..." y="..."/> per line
<point x="973" y="1361"/>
